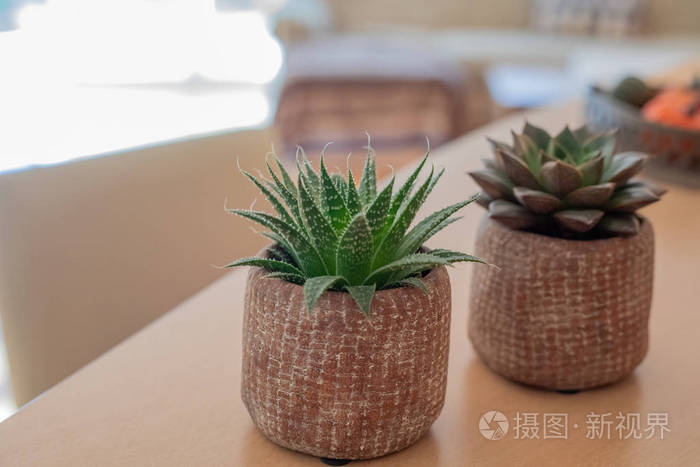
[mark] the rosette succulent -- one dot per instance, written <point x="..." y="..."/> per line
<point x="569" y="185"/>
<point x="329" y="233"/>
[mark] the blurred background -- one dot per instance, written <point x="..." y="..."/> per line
<point x="122" y="122"/>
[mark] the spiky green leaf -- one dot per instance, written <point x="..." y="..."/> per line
<point x="276" y="204"/>
<point x="314" y="287"/>
<point x="368" y="182"/>
<point x="456" y="256"/>
<point x="283" y="244"/>
<point x="341" y="185"/>
<point x="333" y="202"/>
<point x="301" y="249"/>
<point x="288" y="182"/>
<point x="282" y="189"/>
<point x="353" y="199"/>
<point x="410" y="262"/>
<point x="426" y="228"/>
<point x="363" y="295"/>
<point x="442" y="225"/>
<point x="293" y="278"/>
<point x="305" y="169"/>
<point x="279" y="252"/>
<point x="378" y="210"/>
<point x="354" y="255"/>
<point x="405" y="189"/>
<point x="413" y="282"/>
<point x="386" y="250"/>
<point x="269" y="264"/>
<point x="318" y="227"/>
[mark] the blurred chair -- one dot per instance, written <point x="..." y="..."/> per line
<point x="338" y="88"/>
<point x="95" y="249"/>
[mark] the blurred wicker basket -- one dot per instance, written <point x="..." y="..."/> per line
<point x="338" y="88"/>
<point x="671" y="148"/>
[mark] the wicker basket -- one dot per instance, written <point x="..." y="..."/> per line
<point x="336" y="384"/>
<point x="561" y="314"/>
<point x="674" y="149"/>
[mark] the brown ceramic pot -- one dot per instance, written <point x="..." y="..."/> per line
<point x="561" y="314"/>
<point x="337" y="384"/>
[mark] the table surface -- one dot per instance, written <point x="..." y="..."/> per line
<point x="169" y="395"/>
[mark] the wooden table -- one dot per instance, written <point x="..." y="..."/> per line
<point x="169" y="395"/>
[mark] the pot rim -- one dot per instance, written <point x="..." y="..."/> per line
<point x="533" y="236"/>
<point x="428" y="279"/>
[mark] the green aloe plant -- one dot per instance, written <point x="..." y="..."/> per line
<point x="330" y="234"/>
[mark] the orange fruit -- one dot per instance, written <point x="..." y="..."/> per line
<point x="675" y="107"/>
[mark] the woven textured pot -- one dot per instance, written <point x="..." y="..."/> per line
<point x="561" y="314"/>
<point x="339" y="385"/>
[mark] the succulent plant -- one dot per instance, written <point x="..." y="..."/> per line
<point x="569" y="185"/>
<point x="330" y="234"/>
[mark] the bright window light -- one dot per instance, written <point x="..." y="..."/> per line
<point x="55" y="125"/>
<point x="85" y="77"/>
<point x="136" y="41"/>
